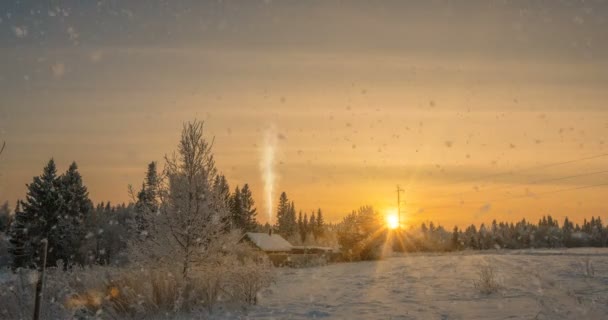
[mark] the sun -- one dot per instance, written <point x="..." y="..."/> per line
<point x="392" y="220"/>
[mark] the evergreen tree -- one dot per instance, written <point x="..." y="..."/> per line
<point x="312" y="225"/>
<point x="5" y="217"/>
<point x="76" y="207"/>
<point x="249" y="211"/>
<point x="20" y="247"/>
<point x="223" y="189"/>
<point x="292" y="225"/>
<point x="320" y="225"/>
<point x="38" y="220"/>
<point x="283" y="214"/>
<point x="455" y="239"/>
<point x="147" y="199"/>
<point x="301" y="227"/>
<point x="236" y="210"/>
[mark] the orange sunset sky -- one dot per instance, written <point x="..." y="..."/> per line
<point x="480" y="110"/>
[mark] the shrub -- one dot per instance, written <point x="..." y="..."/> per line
<point x="486" y="282"/>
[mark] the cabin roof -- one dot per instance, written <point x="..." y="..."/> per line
<point x="267" y="242"/>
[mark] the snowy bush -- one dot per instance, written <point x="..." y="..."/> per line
<point x="127" y="293"/>
<point x="486" y="282"/>
<point x="18" y="291"/>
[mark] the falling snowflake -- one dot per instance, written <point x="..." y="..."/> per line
<point x="20" y="32"/>
<point x="58" y="69"/>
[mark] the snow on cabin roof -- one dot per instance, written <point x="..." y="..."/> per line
<point x="268" y="242"/>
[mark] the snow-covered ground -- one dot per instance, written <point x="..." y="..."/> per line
<point x="535" y="284"/>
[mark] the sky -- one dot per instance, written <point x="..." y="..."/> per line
<point x="480" y="110"/>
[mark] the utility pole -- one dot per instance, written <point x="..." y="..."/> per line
<point x="399" y="204"/>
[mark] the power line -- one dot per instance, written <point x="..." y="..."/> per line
<point x="511" y="186"/>
<point x="517" y="197"/>
<point x="525" y="169"/>
<point x="552" y="192"/>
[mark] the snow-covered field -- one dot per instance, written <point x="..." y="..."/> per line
<point x="535" y="284"/>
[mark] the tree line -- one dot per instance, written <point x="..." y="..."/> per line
<point x="303" y="228"/>
<point x="57" y="208"/>
<point x="362" y="235"/>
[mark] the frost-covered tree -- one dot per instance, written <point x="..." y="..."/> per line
<point x="193" y="211"/>
<point x="361" y="234"/>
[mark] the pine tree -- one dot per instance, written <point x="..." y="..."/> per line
<point x="39" y="219"/>
<point x="76" y="207"/>
<point x="292" y="220"/>
<point x="223" y="189"/>
<point x="455" y="239"/>
<point x="320" y="226"/>
<point x="249" y="211"/>
<point x="283" y="214"/>
<point x="236" y="209"/>
<point x="312" y="225"/>
<point x="20" y="247"/>
<point x="301" y="227"/>
<point x="5" y="217"/>
<point x="147" y="199"/>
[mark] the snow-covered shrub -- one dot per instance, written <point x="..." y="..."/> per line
<point x="487" y="281"/>
<point x="18" y="291"/>
<point x="129" y="293"/>
<point x="248" y="278"/>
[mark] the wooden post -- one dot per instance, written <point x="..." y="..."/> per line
<point x="40" y="282"/>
